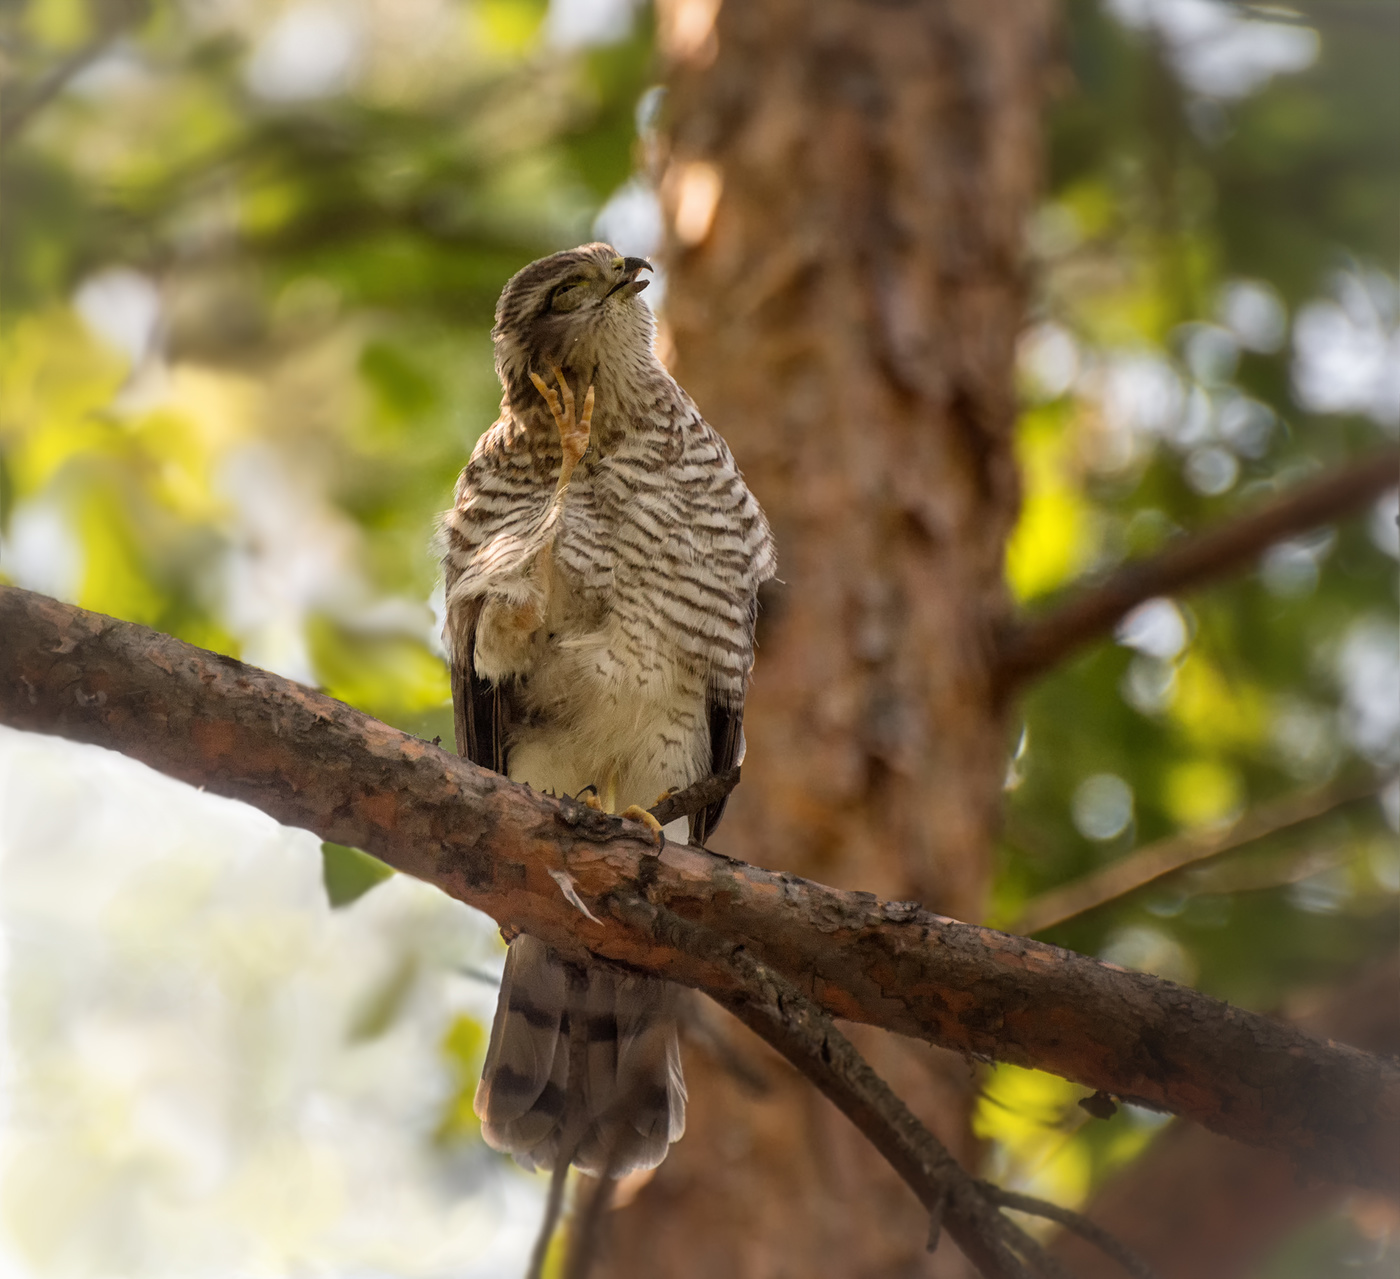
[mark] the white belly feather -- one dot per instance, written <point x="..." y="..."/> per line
<point x="633" y="730"/>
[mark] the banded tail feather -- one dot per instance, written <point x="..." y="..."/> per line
<point x="630" y="1103"/>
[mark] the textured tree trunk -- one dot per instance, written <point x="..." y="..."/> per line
<point x="846" y="186"/>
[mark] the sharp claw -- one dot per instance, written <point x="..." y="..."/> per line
<point x="588" y="797"/>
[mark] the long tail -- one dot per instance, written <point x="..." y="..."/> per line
<point x="629" y="1102"/>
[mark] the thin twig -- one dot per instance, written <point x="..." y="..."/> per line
<point x="1073" y="1222"/>
<point x="1043" y="642"/>
<point x="1039" y="1258"/>
<point x="701" y="794"/>
<point x="574" y="1122"/>
<point x="586" y="1232"/>
<point x="1165" y="857"/>
<point x="552" y="1206"/>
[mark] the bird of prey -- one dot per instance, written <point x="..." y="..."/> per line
<point x="602" y="560"/>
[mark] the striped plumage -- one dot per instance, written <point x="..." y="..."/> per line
<point x="600" y="622"/>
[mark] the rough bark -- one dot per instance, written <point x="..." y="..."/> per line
<point x="314" y="762"/>
<point x="847" y="317"/>
<point x="1198" y="1206"/>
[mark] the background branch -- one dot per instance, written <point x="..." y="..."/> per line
<point x="1037" y="645"/>
<point x="22" y="106"/>
<point x="1164" y="857"/>
<point x="312" y="762"/>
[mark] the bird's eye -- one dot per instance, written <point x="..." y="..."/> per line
<point x="566" y="296"/>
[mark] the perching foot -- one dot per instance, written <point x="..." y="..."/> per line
<point x="636" y="813"/>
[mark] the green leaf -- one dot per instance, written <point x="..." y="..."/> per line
<point x="350" y="873"/>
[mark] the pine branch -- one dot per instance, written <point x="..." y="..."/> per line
<point x="312" y="762"/>
<point x="1038" y="645"/>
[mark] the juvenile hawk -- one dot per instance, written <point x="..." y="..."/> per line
<point x="602" y="560"/>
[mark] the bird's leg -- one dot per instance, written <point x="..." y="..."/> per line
<point x="573" y="434"/>
<point x="610" y="792"/>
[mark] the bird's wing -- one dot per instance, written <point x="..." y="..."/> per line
<point x="482" y="711"/>
<point x="724" y="707"/>
<point x="484" y="536"/>
<point x="726" y="750"/>
<point x="743" y="560"/>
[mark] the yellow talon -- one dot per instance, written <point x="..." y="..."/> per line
<point x="574" y="435"/>
<point x="550" y="398"/>
<point x="636" y="813"/>
<point x="565" y="390"/>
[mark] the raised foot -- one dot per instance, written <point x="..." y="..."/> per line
<point x="573" y="434"/>
<point x="636" y="813"/>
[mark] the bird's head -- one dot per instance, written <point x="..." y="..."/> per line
<point x="578" y="309"/>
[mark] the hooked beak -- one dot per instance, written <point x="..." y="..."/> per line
<point x="629" y="267"/>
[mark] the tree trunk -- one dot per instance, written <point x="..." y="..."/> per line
<point x="846" y="186"/>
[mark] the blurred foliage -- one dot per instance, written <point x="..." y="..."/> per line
<point x="1045" y="1143"/>
<point x="1152" y="409"/>
<point x="464" y="1045"/>
<point x="244" y="351"/>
